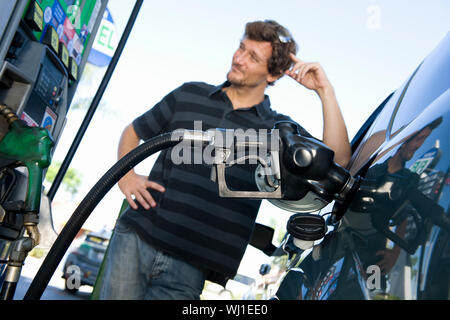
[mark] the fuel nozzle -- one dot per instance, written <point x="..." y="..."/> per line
<point x="308" y="168"/>
<point x="26" y="146"/>
<point x="308" y="165"/>
<point x="298" y="173"/>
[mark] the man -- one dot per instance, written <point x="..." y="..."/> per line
<point x="177" y="232"/>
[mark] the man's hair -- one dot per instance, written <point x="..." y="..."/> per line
<point x="281" y="40"/>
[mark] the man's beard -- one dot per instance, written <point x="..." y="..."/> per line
<point x="235" y="82"/>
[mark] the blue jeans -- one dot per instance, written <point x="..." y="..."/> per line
<point x="135" y="270"/>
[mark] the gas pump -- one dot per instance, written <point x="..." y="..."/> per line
<point x="44" y="46"/>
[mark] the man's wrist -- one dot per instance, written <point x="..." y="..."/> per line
<point x="325" y="91"/>
<point x="129" y="174"/>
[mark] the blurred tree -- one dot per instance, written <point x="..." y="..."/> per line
<point x="71" y="181"/>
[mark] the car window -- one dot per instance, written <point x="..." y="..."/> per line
<point x="375" y="135"/>
<point x="359" y="136"/>
<point x="381" y="123"/>
<point x="97" y="240"/>
<point x="431" y="80"/>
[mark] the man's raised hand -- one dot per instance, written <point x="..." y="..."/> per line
<point x="309" y="74"/>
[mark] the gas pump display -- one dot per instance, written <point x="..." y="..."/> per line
<point x="44" y="45"/>
<point x="65" y="26"/>
<point x="47" y="53"/>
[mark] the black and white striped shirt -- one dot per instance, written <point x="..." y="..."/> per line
<point x="190" y="220"/>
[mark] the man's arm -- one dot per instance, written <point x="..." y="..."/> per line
<point x="334" y="129"/>
<point x="313" y="77"/>
<point x="132" y="184"/>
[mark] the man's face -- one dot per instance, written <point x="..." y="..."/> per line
<point x="249" y="65"/>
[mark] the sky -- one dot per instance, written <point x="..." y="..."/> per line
<point x="367" y="48"/>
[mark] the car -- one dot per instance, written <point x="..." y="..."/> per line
<point x="82" y="264"/>
<point x="393" y="241"/>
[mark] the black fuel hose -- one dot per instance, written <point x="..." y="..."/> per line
<point x="87" y="205"/>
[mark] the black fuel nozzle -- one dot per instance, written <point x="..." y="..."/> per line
<point x="308" y="164"/>
<point x="298" y="173"/>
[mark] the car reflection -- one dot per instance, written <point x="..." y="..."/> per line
<point x="385" y="209"/>
<point x="387" y="221"/>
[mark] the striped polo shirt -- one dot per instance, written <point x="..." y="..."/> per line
<point x="190" y="220"/>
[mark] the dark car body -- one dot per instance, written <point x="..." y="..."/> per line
<point x="85" y="261"/>
<point x="393" y="241"/>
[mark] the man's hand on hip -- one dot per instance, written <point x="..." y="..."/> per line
<point x="136" y="185"/>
